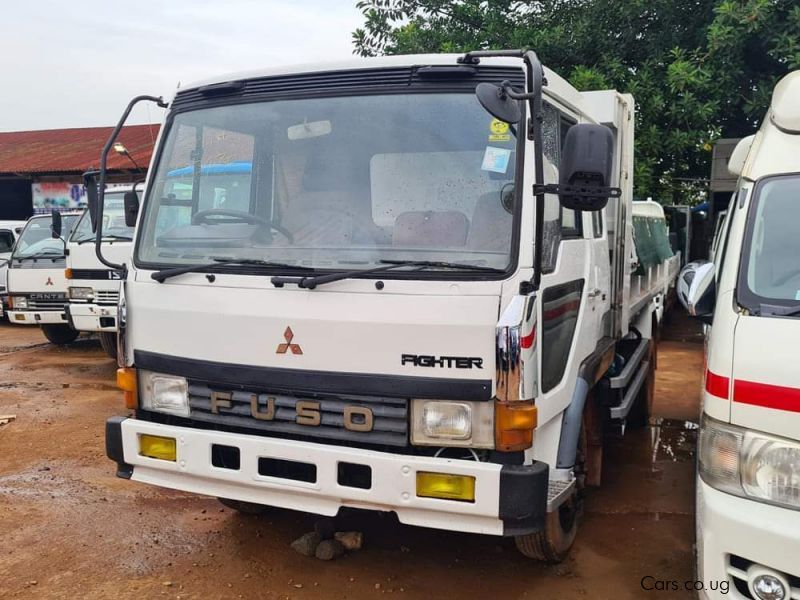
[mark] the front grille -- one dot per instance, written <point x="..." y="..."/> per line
<point x="106" y="296"/>
<point x="389" y="415"/>
<point x="47" y="301"/>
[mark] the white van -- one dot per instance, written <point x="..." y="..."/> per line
<point x="9" y="232"/>
<point x="748" y="491"/>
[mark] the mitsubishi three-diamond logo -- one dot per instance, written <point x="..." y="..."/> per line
<point x="288" y="335"/>
<point x="49" y="281"/>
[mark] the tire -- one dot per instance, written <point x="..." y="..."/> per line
<point x="553" y="543"/>
<point x="60" y="335"/>
<point x="108" y="340"/>
<point x="246" y="508"/>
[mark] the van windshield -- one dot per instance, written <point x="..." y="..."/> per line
<point x="770" y="271"/>
<point x="332" y="183"/>
<point x="114" y="226"/>
<point x="36" y="240"/>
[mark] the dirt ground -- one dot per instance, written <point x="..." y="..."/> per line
<point x="69" y="528"/>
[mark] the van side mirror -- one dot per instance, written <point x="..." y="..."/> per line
<point x="90" y="183"/>
<point x="587" y="159"/>
<point x="131" y="201"/>
<point x="697" y="289"/>
<point x="56" y="225"/>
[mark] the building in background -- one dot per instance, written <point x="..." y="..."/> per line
<point x="40" y="170"/>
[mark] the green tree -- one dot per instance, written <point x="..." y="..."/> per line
<point x="698" y="69"/>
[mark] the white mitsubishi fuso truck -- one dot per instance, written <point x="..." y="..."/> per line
<point x="398" y="284"/>
<point x="93" y="287"/>
<point x="748" y="489"/>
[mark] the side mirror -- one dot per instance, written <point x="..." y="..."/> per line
<point x="90" y="183"/>
<point x="697" y="289"/>
<point x="586" y="162"/>
<point x="131" y="201"/>
<point x="56" y="225"/>
<point x="496" y="100"/>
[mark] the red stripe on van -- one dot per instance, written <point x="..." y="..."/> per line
<point x="766" y="395"/>
<point x="717" y="385"/>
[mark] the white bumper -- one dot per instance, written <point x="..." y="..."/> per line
<point x="729" y="526"/>
<point x="393" y="477"/>
<point x="93" y="317"/>
<point x="37" y="317"/>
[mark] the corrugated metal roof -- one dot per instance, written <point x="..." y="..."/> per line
<point x="73" y="150"/>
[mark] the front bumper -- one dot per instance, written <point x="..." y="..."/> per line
<point x="509" y="500"/>
<point x="93" y="317"/>
<point x="38" y="317"/>
<point x="733" y="532"/>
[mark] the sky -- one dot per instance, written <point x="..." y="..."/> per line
<point x="77" y="63"/>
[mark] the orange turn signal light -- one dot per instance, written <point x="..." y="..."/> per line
<point x="514" y="425"/>
<point x="68" y="273"/>
<point x="126" y="381"/>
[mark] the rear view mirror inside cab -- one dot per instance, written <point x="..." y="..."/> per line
<point x="309" y="130"/>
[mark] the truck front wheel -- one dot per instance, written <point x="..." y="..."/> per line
<point x="109" y="343"/>
<point x="247" y="508"/>
<point x="553" y="543"/>
<point x="60" y="335"/>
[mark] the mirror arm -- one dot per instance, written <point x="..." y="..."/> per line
<point x="101" y="186"/>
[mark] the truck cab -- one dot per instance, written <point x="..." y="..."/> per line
<point x="37" y="288"/>
<point x="93" y="287"/>
<point x="392" y="284"/>
<point x="748" y="490"/>
<point x="9" y="232"/>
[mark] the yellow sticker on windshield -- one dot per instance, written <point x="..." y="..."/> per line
<point x="499" y="131"/>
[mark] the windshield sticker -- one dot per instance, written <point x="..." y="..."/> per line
<point x="499" y="131"/>
<point x="496" y="159"/>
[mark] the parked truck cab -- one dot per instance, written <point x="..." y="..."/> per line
<point x="9" y="232"/>
<point x="93" y="287"/>
<point x="390" y="284"/>
<point x="37" y="289"/>
<point x="748" y="490"/>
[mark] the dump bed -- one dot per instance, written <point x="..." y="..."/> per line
<point x="635" y="281"/>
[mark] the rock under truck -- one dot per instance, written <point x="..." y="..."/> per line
<point x="407" y="299"/>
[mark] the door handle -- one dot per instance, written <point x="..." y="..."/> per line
<point x="594" y="293"/>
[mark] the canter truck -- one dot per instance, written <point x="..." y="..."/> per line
<point x="37" y="289"/>
<point x="413" y="294"/>
<point x="748" y="487"/>
<point x="93" y="287"/>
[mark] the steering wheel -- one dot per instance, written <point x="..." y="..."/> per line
<point x="202" y="217"/>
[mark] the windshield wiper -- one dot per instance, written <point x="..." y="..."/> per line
<point x="774" y="310"/>
<point x="40" y="255"/>
<point x="310" y="283"/>
<point x="164" y="274"/>
<point x="106" y="236"/>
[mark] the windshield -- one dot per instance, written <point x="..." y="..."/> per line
<point x="334" y="183"/>
<point x="37" y="240"/>
<point x="770" y="269"/>
<point x="113" y="220"/>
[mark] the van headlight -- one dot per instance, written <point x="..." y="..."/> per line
<point x="449" y="423"/>
<point x="18" y="302"/>
<point x="749" y="464"/>
<point x="164" y="393"/>
<point x="80" y="293"/>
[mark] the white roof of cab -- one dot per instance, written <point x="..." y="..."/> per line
<point x="557" y="86"/>
<point x="785" y="108"/>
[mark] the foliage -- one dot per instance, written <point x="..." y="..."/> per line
<point x="698" y="69"/>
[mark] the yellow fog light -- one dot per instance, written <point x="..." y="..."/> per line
<point x="448" y="487"/>
<point x="155" y="446"/>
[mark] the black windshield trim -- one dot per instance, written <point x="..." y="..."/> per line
<point x="744" y="296"/>
<point x="440" y="87"/>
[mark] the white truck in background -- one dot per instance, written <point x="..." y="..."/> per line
<point x="37" y="289"/>
<point x="415" y="297"/>
<point x="93" y="287"/>
<point x="748" y="489"/>
<point x="9" y="232"/>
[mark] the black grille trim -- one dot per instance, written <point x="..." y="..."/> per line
<point x="101" y="274"/>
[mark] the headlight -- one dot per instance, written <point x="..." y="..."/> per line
<point x="163" y="393"/>
<point x="750" y="464"/>
<point x="444" y="423"/>
<point x="80" y="293"/>
<point x="18" y="302"/>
